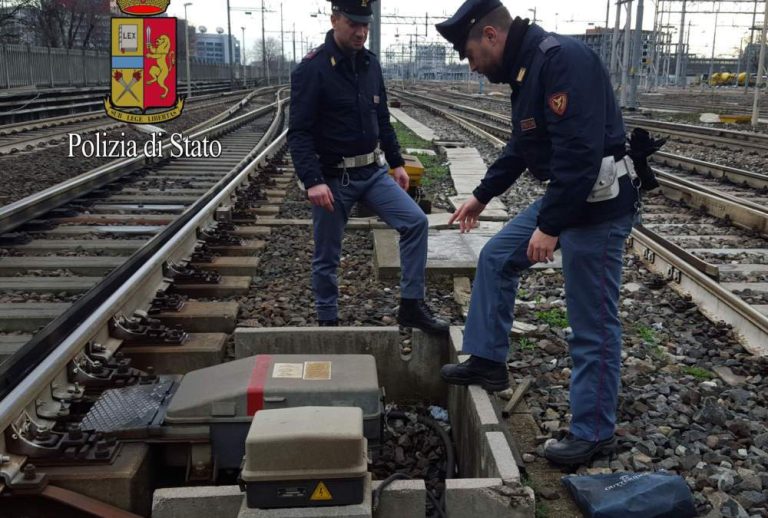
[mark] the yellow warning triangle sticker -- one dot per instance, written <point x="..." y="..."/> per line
<point x="321" y="493"/>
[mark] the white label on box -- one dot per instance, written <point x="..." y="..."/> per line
<point x="288" y="370"/>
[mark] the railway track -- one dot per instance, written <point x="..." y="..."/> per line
<point x="103" y="255"/>
<point x="708" y="233"/>
<point x="28" y="136"/>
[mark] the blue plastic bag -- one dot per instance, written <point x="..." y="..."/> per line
<point x="632" y="495"/>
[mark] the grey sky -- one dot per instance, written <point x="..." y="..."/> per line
<point x="564" y="16"/>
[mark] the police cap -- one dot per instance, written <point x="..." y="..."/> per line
<point x="456" y="28"/>
<point x="356" y="10"/>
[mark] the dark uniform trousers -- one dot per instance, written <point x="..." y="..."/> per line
<point x="565" y="119"/>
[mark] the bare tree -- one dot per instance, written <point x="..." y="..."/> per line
<point x="70" y="23"/>
<point x="273" y="48"/>
<point x="10" y="11"/>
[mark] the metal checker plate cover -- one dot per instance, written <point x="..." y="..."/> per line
<point x="130" y="411"/>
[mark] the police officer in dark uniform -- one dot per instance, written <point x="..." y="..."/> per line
<point x="338" y="117"/>
<point x="568" y="129"/>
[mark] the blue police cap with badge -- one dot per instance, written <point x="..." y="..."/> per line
<point x="456" y="28"/>
<point x="356" y="10"/>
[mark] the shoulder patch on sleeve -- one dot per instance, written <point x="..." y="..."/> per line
<point x="548" y="43"/>
<point x="314" y="52"/>
<point x="558" y="103"/>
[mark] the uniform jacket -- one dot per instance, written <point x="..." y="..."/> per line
<point x="337" y="110"/>
<point x="564" y="121"/>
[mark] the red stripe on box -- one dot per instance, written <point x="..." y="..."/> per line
<point x="255" y="395"/>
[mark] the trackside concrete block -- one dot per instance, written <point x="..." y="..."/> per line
<point x="477" y="416"/>
<point x="401" y="498"/>
<point x="184" y="502"/>
<point x="488" y="498"/>
<point x="501" y="459"/>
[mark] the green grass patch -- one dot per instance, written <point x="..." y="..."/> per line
<point x="407" y="138"/>
<point x="435" y="169"/>
<point x="647" y="334"/>
<point x="555" y="317"/>
<point x="526" y="344"/>
<point x="698" y="373"/>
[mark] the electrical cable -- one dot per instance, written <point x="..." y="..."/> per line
<point x="450" y="462"/>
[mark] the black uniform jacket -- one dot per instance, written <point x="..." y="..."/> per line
<point x="564" y="121"/>
<point x="338" y="109"/>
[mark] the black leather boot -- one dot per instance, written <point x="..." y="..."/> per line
<point x="328" y="323"/>
<point x="490" y="375"/>
<point x="415" y="313"/>
<point x="571" y="450"/>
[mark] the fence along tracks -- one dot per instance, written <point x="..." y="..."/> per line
<point x="26" y="378"/>
<point x="692" y="267"/>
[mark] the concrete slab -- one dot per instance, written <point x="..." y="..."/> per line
<point x="252" y="231"/>
<point x="248" y="248"/>
<point x="229" y="286"/>
<point x="401" y="498"/>
<point x="201" y="350"/>
<point x="67" y="285"/>
<point x="203" y="317"/>
<point x="102" y="246"/>
<point x="9" y="344"/>
<point x="116" y="219"/>
<point x="80" y="230"/>
<point x="449" y="253"/>
<point x="502" y="458"/>
<point x="189" y="502"/>
<point x="88" y="266"/>
<point x="488" y="498"/>
<point x="28" y="317"/>
<point x="232" y="265"/>
<point x="412" y="124"/>
<point x="125" y="483"/>
<point x="759" y="287"/>
<point x="362" y="510"/>
<point x="402" y="378"/>
<point x="762" y="308"/>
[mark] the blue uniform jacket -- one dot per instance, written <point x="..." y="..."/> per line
<point x="337" y="110"/>
<point x="564" y="121"/>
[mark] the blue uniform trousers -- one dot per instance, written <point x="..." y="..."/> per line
<point x="373" y="186"/>
<point x="592" y="261"/>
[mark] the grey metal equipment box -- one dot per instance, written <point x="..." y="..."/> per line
<point x="225" y="397"/>
<point x="305" y="457"/>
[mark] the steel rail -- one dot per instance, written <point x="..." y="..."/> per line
<point x="733" y="174"/>
<point x="693" y="275"/>
<point x="141" y="267"/>
<point x="709" y="295"/>
<point x="16" y="214"/>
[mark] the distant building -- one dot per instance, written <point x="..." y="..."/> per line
<point x="214" y="48"/>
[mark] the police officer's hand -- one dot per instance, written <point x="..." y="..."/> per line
<point x="321" y="196"/>
<point x="467" y="214"/>
<point x="541" y="247"/>
<point x="401" y="177"/>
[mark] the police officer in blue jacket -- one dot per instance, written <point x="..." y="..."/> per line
<point x="568" y="129"/>
<point x="338" y="117"/>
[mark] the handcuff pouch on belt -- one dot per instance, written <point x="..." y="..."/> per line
<point x="607" y="184"/>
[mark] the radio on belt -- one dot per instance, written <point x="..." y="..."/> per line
<point x="305" y="457"/>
